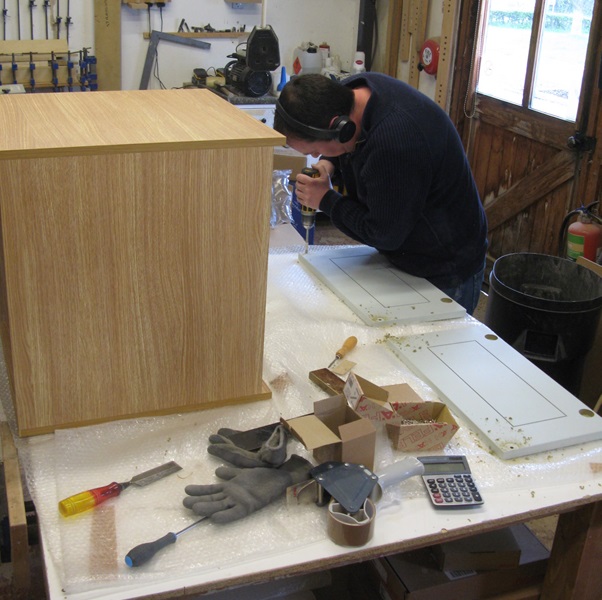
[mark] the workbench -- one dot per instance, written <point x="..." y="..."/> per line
<point x="305" y="323"/>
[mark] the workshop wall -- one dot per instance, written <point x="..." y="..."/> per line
<point x="333" y="21"/>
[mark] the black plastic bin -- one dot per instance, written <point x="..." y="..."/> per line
<point x="547" y="308"/>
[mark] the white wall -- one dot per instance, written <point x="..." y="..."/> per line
<point x="82" y="18"/>
<point x="294" y="22"/>
<point x="334" y="21"/>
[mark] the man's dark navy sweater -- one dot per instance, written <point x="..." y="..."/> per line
<point x="409" y="190"/>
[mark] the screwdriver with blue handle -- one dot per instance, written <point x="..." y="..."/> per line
<point x="308" y="215"/>
<point x="142" y="553"/>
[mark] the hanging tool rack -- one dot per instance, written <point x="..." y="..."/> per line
<point x="50" y="67"/>
<point x="35" y="51"/>
<point x="143" y="5"/>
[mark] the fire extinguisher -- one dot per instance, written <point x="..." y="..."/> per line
<point x="429" y="56"/>
<point x="583" y="236"/>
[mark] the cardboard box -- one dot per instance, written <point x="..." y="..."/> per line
<point x="335" y="432"/>
<point x="369" y="400"/>
<point x="426" y="426"/>
<point x="412" y="424"/>
<point x="287" y="158"/>
<point x="486" y="551"/>
<point x="416" y="576"/>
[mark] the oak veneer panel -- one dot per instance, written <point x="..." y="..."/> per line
<point x="134" y="258"/>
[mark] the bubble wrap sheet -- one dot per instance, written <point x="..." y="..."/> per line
<point x="305" y="324"/>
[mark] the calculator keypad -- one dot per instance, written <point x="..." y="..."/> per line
<point x="452" y="491"/>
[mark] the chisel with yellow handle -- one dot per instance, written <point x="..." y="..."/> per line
<point x="348" y="345"/>
<point x="83" y="501"/>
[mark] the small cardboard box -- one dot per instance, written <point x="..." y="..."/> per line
<point x="422" y="426"/>
<point x="412" y="423"/>
<point x="335" y="432"/>
<point x="287" y="158"/>
<point x="369" y="400"/>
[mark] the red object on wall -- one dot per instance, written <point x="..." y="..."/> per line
<point x="429" y="56"/>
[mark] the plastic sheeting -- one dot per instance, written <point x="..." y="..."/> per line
<point x="305" y="324"/>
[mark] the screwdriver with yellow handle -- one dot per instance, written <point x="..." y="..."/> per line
<point x="348" y="345"/>
<point x="308" y="215"/>
<point x="83" y="501"/>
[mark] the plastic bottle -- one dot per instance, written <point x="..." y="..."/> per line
<point x="359" y="63"/>
<point x="584" y="239"/>
<point x="311" y="61"/>
<point x="283" y="80"/>
<point x="324" y="50"/>
<point x="298" y="58"/>
<point x="330" y="70"/>
<point x="336" y="63"/>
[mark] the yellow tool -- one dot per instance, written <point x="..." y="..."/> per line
<point x="348" y="345"/>
<point x="308" y="215"/>
<point x="83" y="501"/>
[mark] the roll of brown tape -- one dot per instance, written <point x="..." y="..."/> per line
<point x="346" y="529"/>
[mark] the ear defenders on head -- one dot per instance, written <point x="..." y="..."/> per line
<point x="341" y="130"/>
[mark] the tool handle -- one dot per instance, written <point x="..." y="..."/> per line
<point x="400" y="471"/>
<point x="313" y="173"/>
<point x="348" y="345"/>
<point x="83" y="501"/>
<point x="396" y="473"/>
<point x="310" y="172"/>
<point x="144" y="552"/>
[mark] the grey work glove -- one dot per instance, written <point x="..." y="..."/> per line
<point x="271" y="454"/>
<point x="245" y="490"/>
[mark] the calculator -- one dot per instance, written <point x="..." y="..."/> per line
<point x="449" y="482"/>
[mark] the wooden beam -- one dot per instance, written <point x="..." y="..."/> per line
<point x="577" y="553"/>
<point x="10" y="47"/>
<point x="536" y="126"/>
<point x="107" y="43"/>
<point x="418" y="24"/>
<point x="17" y="519"/>
<point x="393" y="37"/>
<point x="446" y="54"/>
<point x="534" y="44"/>
<point x="405" y="31"/>
<point x="531" y="188"/>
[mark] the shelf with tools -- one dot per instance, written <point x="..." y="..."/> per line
<point x="144" y="5"/>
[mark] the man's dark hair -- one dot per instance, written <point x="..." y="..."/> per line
<point x="312" y="100"/>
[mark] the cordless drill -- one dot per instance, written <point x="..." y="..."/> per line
<point x="308" y="215"/>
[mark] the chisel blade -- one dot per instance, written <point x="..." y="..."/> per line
<point x="155" y="474"/>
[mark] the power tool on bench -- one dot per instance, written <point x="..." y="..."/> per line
<point x="308" y="215"/>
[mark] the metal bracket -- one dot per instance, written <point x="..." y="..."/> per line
<point x="155" y="37"/>
<point x="581" y="142"/>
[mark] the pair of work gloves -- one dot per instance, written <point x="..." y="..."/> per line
<point x="255" y="480"/>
